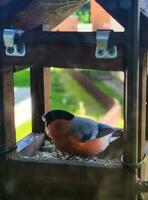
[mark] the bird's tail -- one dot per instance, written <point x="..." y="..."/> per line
<point x="116" y="134"/>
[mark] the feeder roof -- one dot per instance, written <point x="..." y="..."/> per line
<point x="119" y="10"/>
<point x="28" y="14"/>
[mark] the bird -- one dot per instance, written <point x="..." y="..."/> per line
<point x="30" y="14"/>
<point x="78" y="136"/>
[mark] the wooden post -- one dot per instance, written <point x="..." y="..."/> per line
<point x="40" y="95"/>
<point x="142" y="109"/>
<point x="7" y="125"/>
<point x="132" y="96"/>
<point x="147" y="106"/>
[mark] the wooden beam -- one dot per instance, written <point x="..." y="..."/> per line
<point x="132" y="95"/>
<point x="7" y="125"/>
<point x="83" y="38"/>
<point x="66" y="56"/>
<point x="47" y="89"/>
<point x="55" y="176"/>
<point x="46" y="37"/>
<point x="39" y="12"/>
<point x="68" y="50"/>
<point x="38" y="37"/>
<point x="132" y="88"/>
<point x="40" y="95"/>
<point x="147" y="108"/>
<point x="142" y="109"/>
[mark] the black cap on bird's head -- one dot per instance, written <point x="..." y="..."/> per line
<point x="56" y="114"/>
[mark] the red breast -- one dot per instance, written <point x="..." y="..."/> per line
<point x="65" y="139"/>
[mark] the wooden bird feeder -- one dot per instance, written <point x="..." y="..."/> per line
<point x="28" y="179"/>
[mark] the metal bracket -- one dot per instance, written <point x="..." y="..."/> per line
<point x="134" y="166"/>
<point x="103" y="50"/>
<point x="12" y="42"/>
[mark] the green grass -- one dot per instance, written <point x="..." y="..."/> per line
<point x="23" y="130"/>
<point x="73" y="97"/>
<point x="22" y="78"/>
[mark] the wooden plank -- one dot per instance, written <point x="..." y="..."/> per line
<point x="40" y="11"/>
<point x="83" y="38"/>
<point x="38" y="176"/>
<point x="3" y="175"/>
<point x="56" y="193"/>
<point x="132" y="88"/>
<point x="66" y="56"/>
<point x="142" y="109"/>
<point x="38" y="36"/>
<point x="146" y="165"/>
<point x="40" y="95"/>
<point x="47" y="89"/>
<point x="29" y="145"/>
<point x="147" y="109"/>
<point x="53" y="49"/>
<point x="7" y="126"/>
<point x="132" y="95"/>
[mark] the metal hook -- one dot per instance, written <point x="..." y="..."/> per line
<point x="12" y="42"/>
<point x="103" y="50"/>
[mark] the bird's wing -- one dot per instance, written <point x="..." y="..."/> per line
<point x="105" y="129"/>
<point x="86" y="129"/>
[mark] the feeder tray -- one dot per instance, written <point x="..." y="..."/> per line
<point x="35" y="147"/>
<point x="40" y="170"/>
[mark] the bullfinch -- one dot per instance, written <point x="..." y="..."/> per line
<point x="78" y="135"/>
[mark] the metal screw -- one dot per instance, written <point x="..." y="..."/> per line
<point x="20" y="48"/>
<point x="111" y="51"/>
<point x="10" y="50"/>
<point x="101" y="52"/>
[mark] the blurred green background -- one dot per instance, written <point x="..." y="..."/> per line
<point x="67" y="94"/>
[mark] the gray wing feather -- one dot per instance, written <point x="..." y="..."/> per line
<point x="85" y="128"/>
